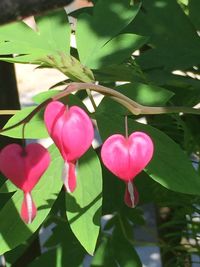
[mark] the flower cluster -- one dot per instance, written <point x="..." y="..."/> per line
<point x="72" y="132"/>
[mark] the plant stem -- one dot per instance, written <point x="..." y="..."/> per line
<point x="91" y="99"/>
<point x="8" y="111"/>
<point x="134" y="107"/>
<point x="126" y="127"/>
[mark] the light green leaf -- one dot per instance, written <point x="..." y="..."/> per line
<point x="49" y="45"/>
<point x="170" y="166"/>
<point x="84" y="205"/>
<point x="41" y="97"/>
<point x="34" y="129"/>
<point x="8" y="186"/>
<point x="54" y="31"/>
<point x="13" y="231"/>
<point x="52" y="37"/>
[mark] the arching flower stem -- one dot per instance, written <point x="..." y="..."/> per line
<point x="134" y="107"/>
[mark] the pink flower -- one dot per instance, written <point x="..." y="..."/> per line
<point x="72" y="131"/>
<point x="126" y="158"/>
<point x="24" y="168"/>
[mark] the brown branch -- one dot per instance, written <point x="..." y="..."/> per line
<point x="128" y="103"/>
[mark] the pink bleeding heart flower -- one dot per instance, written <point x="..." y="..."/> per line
<point x="126" y="158"/>
<point x="24" y="168"/>
<point x="72" y="131"/>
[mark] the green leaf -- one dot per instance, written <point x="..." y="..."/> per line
<point x="34" y="129"/>
<point x="194" y="7"/>
<point x="51" y="258"/>
<point x="63" y="239"/>
<point x="84" y="205"/>
<point x="49" y="45"/>
<point x="115" y="73"/>
<point x="93" y="32"/>
<point x="54" y="31"/>
<point x="124" y="251"/>
<point x="13" y="231"/>
<point x="170" y="166"/>
<point x="146" y="94"/>
<point x="104" y="255"/>
<point x="41" y="97"/>
<point x="52" y="37"/>
<point x="117" y="50"/>
<point x="8" y="186"/>
<point x="164" y="21"/>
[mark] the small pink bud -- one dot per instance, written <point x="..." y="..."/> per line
<point x="127" y="157"/>
<point x="24" y="167"/>
<point x="72" y="131"/>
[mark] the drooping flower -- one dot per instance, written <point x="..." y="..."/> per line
<point x="126" y="158"/>
<point x="72" y="131"/>
<point x="24" y="168"/>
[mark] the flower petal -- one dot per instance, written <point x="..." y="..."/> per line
<point x="28" y="210"/>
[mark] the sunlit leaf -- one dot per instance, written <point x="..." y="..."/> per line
<point x="84" y="205"/>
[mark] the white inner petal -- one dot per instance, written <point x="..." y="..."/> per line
<point x="131" y="193"/>
<point x="29" y="206"/>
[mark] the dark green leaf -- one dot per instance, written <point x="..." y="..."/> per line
<point x="104" y="255"/>
<point x="124" y="251"/>
<point x="171" y="47"/>
<point x="194" y="7"/>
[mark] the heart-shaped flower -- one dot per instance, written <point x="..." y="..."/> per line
<point x="72" y="131"/>
<point x="24" y="167"/>
<point x="127" y="157"/>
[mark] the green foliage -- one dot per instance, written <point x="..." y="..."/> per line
<point x="84" y="205"/>
<point x="96" y="42"/>
<point x="36" y="123"/>
<point x="167" y="36"/>
<point x="139" y="43"/>
<point x="31" y="46"/>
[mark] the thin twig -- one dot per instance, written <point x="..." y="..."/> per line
<point x="134" y="107"/>
<point x="126" y="126"/>
<point x="8" y="111"/>
<point x="91" y="99"/>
